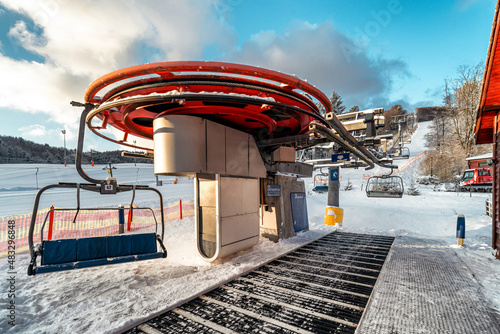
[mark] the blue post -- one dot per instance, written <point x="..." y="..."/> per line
<point x="121" y="220"/>
<point x="460" y="230"/>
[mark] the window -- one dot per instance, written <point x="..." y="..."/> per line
<point x="484" y="173"/>
<point x="468" y="175"/>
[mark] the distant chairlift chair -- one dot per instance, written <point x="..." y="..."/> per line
<point x="320" y="183"/>
<point x="401" y="153"/>
<point x="385" y="186"/>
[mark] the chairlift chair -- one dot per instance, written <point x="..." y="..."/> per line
<point x="65" y="254"/>
<point x="401" y="153"/>
<point x="320" y="183"/>
<point x="82" y="252"/>
<point x="385" y="186"/>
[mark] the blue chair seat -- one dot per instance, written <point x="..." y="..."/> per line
<point x="58" y="255"/>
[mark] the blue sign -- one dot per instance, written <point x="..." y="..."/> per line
<point x="341" y="157"/>
<point x="299" y="212"/>
<point x="334" y="174"/>
<point x="273" y="190"/>
<point x="461" y="227"/>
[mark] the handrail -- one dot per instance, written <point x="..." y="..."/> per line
<point x="81" y="138"/>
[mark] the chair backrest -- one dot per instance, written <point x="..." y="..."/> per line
<point x="84" y="249"/>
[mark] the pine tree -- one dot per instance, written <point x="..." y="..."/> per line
<point x="337" y="103"/>
<point x="413" y="190"/>
<point x="354" y="109"/>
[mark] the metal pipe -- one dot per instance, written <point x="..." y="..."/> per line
<point x="34" y="214"/>
<point x="121" y="219"/>
<point x="341" y="130"/>
<point x="131" y="212"/>
<point x="79" y="147"/>
<point x="127" y="187"/>
<point x="77" y="201"/>
<point x="333" y="188"/>
<point x="335" y="138"/>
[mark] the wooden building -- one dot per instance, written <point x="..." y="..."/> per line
<point x="479" y="161"/>
<point x="488" y="120"/>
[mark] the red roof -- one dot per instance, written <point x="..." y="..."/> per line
<point x="489" y="104"/>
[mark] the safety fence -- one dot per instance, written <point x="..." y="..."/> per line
<point x="366" y="177"/>
<point x="68" y="224"/>
<point x="411" y="161"/>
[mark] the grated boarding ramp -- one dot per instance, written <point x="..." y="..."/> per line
<point x="322" y="287"/>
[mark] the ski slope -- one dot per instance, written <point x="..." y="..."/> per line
<point x="109" y="299"/>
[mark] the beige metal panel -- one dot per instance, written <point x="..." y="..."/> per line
<point x="216" y="148"/>
<point x="236" y="152"/>
<point x="238" y="228"/>
<point x="239" y="196"/>
<point x="298" y="168"/>
<point x="251" y="196"/>
<point x="268" y="217"/>
<point x="236" y="247"/>
<point x="256" y="167"/>
<point x="284" y="154"/>
<point x="209" y="222"/>
<point x="179" y="144"/>
<point x="207" y="193"/>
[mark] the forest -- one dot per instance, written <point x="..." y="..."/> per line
<point x="18" y="150"/>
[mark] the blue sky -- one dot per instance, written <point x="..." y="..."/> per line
<point x="373" y="53"/>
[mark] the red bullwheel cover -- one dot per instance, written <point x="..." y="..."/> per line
<point x="258" y="101"/>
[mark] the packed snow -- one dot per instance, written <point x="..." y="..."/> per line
<point x="109" y="299"/>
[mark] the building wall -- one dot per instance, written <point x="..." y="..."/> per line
<point x="496" y="190"/>
<point x="478" y="163"/>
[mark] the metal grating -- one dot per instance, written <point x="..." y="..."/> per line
<point x="322" y="287"/>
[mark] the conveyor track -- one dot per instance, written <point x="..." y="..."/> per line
<point x="322" y="287"/>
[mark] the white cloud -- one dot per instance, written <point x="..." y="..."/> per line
<point x="263" y="37"/>
<point x="25" y="37"/>
<point x="35" y="130"/>
<point x="83" y="40"/>
<point x="326" y="57"/>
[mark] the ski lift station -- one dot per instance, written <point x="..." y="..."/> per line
<point x="235" y="129"/>
<point x="239" y="142"/>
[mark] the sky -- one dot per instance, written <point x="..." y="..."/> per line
<point x="372" y="53"/>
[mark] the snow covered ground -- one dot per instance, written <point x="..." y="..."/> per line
<point x="109" y="299"/>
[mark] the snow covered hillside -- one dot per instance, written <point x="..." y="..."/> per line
<point x="108" y="299"/>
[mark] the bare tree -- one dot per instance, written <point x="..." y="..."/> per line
<point x="441" y="131"/>
<point x="461" y="97"/>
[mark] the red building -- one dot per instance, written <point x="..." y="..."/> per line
<point x="479" y="161"/>
<point x="487" y="129"/>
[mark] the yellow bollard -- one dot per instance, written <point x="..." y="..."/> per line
<point x="334" y="215"/>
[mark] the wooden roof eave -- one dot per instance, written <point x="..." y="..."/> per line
<point x="484" y="127"/>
